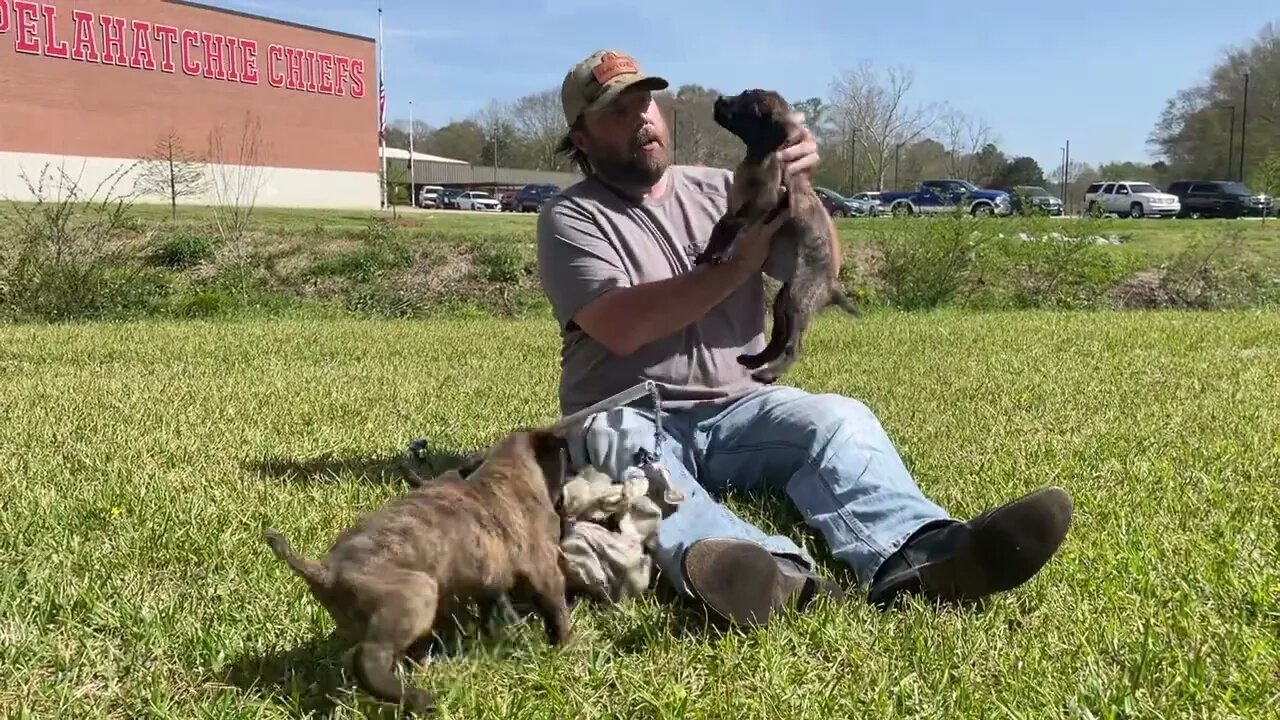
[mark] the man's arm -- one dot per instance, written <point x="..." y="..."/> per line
<point x="584" y="278"/>
<point x="626" y="319"/>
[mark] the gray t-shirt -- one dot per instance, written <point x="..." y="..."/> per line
<point x="592" y="240"/>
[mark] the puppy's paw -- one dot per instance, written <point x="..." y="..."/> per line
<point x="708" y="257"/>
<point x="419" y="702"/>
<point x="750" y="361"/>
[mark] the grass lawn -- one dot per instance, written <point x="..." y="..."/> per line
<point x="138" y="463"/>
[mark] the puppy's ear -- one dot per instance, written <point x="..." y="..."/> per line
<point x="551" y="450"/>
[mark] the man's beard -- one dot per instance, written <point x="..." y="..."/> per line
<point x="634" y="167"/>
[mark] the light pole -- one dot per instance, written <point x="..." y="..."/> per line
<point x="1244" y="123"/>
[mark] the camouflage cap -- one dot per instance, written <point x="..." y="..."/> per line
<point x="597" y="80"/>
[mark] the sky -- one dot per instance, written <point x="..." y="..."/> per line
<point x="1097" y="75"/>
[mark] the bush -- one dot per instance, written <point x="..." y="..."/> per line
<point x="924" y="263"/>
<point x="72" y="259"/>
<point x="185" y="249"/>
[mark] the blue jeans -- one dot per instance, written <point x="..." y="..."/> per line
<point x="828" y="452"/>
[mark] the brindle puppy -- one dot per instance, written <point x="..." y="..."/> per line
<point x="387" y="578"/>
<point x="801" y="252"/>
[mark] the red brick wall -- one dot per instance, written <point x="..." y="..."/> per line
<point x="56" y="98"/>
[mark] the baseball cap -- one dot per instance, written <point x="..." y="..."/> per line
<point x="601" y="77"/>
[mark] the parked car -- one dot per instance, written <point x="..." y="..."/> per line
<point x="1129" y="198"/>
<point x="869" y="196"/>
<point x="449" y="198"/>
<point x="1219" y="198"/>
<point x="943" y="196"/>
<point x="840" y="206"/>
<point x="531" y="197"/>
<point x="507" y="201"/>
<point x="429" y="196"/>
<point x="477" y="200"/>
<point x="1028" y="199"/>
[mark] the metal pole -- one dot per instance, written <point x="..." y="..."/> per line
<point x="413" y="198"/>
<point x="1066" y="169"/>
<point x="1244" y="122"/>
<point x="382" y="135"/>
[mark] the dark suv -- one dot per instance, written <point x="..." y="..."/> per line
<point x="1219" y="198"/>
<point x="531" y="197"/>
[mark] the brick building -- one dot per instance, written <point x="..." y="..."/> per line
<point x="96" y="87"/>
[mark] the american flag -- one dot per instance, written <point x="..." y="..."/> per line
<point x="382" y="107"/>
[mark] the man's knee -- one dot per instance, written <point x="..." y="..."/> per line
<point x="825" y="414"/>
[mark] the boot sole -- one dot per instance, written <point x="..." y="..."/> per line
<point x="737" y="579"/>
<point x="1010" y="546"/>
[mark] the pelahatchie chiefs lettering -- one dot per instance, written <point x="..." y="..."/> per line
<point x="41" y="29"/>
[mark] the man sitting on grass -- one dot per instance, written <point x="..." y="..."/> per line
<point x="615" y="259"/>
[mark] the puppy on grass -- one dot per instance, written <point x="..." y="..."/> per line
<point x="801" y="255"/>
<point x="387" y="579"/>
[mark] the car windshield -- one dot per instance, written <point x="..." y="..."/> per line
<point x="1034" y="191"/>
<point x="1236" y="188"/>
<point x="1143" y="188"/>
<point x="481" y="196"/>
<point x="964" y="185"/>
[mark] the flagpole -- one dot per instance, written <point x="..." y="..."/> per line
<point x="382" y="132"/>
<point x="412" y="197"/>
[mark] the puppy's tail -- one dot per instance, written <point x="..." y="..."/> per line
<point x="839" y="298"/>
<point x="316" y="575"/>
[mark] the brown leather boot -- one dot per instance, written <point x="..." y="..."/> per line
<point x="746" y="584"/>
<point x="964" y="561"/>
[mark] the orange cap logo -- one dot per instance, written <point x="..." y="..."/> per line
<point x="612" y="65"/>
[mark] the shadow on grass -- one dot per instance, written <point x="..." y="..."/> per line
<point x="414" y="468"/>
<point x="307" y="679"/>
<point x="311" y="679"/>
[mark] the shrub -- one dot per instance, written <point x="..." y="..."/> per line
<point x="187" y="248"/>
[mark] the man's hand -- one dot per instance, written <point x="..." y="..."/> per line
<point x="799" y="153"/>
<point x="751" y="248"/>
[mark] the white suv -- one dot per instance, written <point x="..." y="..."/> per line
<point x="1130" y="199"/>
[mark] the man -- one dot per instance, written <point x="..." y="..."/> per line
<point x="615" y="259"/>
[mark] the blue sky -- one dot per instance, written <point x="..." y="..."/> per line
<point x="1098" y="74"/>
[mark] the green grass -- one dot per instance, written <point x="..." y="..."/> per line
<point x="139" y="461"/>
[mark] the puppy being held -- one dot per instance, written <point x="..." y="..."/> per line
<point x="387" y="579"/>
<point x="801" y="253"/>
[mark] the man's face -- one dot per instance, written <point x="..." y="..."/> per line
<point x="627" y="140"/>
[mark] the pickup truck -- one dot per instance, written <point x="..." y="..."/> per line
<point x="944" y="196"/>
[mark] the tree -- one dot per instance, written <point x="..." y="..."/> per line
<point x="1020" y="171"/>
<point x="877" y="114"/>
<point x="696" y="137"/>
<point x="988" y="164"/>
<point x="172" y="171"/>
<point x="502" y="146"/>
<point x="539" y="119"/>
<point x="1266" y="177"/>
<point x="461" y="140"/>
<point x="964" y="137"/>
<point x="1194" y="133"/>
<point x="237" y="176"/>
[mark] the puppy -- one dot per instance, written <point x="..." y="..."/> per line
<point x="386" y="579"/>
<point x="801" y="248"/>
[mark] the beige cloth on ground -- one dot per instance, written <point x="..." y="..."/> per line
<point x="612" y="528"/>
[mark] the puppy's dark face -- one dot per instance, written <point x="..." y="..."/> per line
<point x="757" y="117"/>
